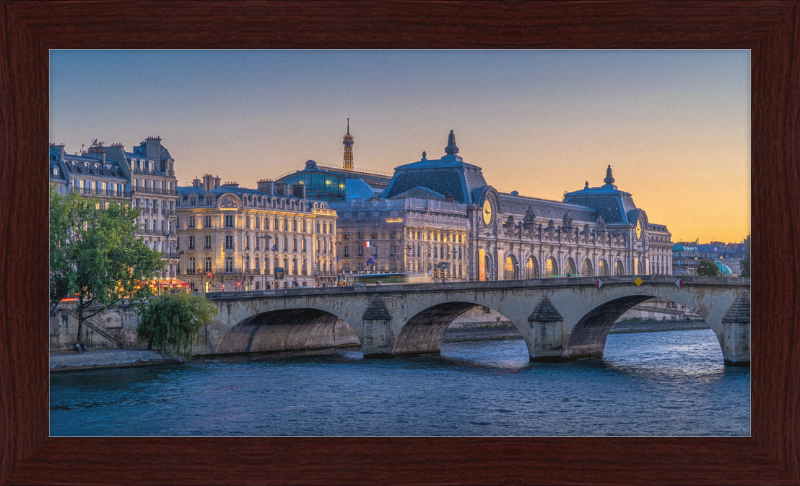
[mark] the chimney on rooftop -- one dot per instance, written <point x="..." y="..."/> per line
<point x="266" y="186"/>
<point x="196" y="182"/>
<point x="216" y="181"/>
<point x="153" y="148"/>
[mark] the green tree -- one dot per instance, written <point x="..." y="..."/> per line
<point x="707" y="267"/>
<point x="94" y="253"/>
<point x="744" y="263"/>
<point x="173" y="320"/>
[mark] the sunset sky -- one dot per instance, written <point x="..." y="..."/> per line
<point x="673" y="125"/>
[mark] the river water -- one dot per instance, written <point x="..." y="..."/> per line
<point x="647" y="384"/>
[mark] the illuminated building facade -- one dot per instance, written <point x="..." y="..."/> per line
<point x="233" y="238"/>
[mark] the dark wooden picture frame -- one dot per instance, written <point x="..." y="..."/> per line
<point x="771" y="29"/>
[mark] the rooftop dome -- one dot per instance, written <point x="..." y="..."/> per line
<point x="723" y="269"/>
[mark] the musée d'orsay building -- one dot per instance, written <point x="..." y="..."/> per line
<point x="440" y="216"/>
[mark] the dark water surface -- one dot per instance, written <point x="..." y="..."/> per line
<point x="660" y="383"/>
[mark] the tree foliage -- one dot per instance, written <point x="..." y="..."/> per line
<point x="744" y="263"/>
<point x="708" y="268"/>
<point x="94" y="253"/>
<point x="173" y="320"/>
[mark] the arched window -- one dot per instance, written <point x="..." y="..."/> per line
<point x="510" y="269"/>
<point x="490" y="273"/>
<point x="257" y="286"/>
<point x="618" y="269"/>
<point x="603" y="269"/>
<point x="569" y="268"/>
<point x="531" y="268"/>
<point x="586" y="271"/>
<point x="551" y="268"/>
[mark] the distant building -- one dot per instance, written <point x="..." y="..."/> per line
<point x="328" y="183"/>
<point x="661" y="249"/>
<point x="407" y="235"/>
<point x="144" y="178"/>
<point x="727" y="256"/>
<point x="233" y="238"/>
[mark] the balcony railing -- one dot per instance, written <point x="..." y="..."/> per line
<point x="154" y="232"/>
<point x="155" y="190"/>
<point x="99" y="192"/>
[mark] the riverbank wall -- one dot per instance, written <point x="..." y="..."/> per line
<point x="108" y="358"/>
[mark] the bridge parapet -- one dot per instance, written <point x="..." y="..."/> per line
<point x="549" y="283"/>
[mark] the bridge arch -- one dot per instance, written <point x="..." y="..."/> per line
<point x="286" y="330"/>
<point x="423" y="332"/>
<point x="587" y="337"/>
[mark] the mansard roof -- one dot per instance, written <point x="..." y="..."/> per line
<point x="544" y="208"/>
<point x="133" y="155"/>
<point x="86" y="165"/>
<point x="141" y="151"/>
<point x="614" y="205"/>
<point x="450" y="174"/>
<point x="238" y="191"/>
<point x="420" y="193"/>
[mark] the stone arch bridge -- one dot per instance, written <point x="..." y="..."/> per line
<point x="559" y="319"/>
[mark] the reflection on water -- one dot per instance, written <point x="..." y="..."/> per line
<point x="668" y="383"/>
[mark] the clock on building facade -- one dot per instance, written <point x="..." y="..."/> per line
<point x="487" y="212"/>
<point x="639" y="229"/>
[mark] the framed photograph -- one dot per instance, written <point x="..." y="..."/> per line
<point x="34" y="452"/>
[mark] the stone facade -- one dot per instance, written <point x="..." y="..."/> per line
<point x="144" y="178"/>
<point x="660" y="249"/>
<point x="406" y="235"/>
<point x="596" y="231"/>
<point x="110" y="329"/>
<point x="241" y="236"/>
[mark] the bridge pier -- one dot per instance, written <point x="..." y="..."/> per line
<point x="736" y="332"/>
<point x="377" y="342"/>
<point x="546" y="341"/>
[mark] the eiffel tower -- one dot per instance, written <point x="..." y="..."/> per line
<point x="348" y="149"/>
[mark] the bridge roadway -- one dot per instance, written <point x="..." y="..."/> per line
<point x="559" y="319"/>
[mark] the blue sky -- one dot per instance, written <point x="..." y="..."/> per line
<point x="674" y="125"/>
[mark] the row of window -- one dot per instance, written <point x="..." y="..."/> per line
<point x="147" y="204"/>
<point x="147" y="184"/>
<point x="325" y="265"/>
<point x="290" y="204"/>
<point x="511" y="270"/>
<point x="277" y="223"/>
<point x="96" y="186"/>
<point x="325" y="246"/>
<point x="414" y="235"/>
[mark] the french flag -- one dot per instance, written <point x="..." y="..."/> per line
<point x="367" y="244"/>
